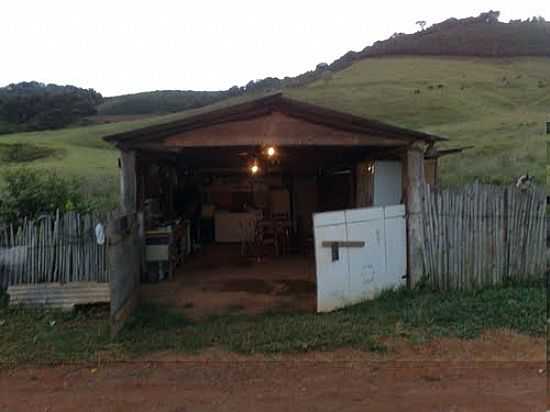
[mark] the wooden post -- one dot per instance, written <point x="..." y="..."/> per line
<point x="364" y="179"/>
<point x="128" y="186"/>
<point x="415" y="230"/>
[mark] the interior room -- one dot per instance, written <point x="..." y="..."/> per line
<point x="238" y="220"/>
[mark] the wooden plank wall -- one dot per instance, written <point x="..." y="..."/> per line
<point x="58" y="248"/>
<point x="481" y="235"/>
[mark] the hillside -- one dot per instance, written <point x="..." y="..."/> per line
<point x="37" y="106"/>
<point x="481" y="36"/>
<point x="158" y="102"/>
<point x="498" y="105"/>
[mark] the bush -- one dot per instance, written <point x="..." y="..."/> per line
<point x="25" y="152"/>
<point x="30" y="193"/>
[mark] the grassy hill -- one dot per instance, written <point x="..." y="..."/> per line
<point x="497" y="105"/>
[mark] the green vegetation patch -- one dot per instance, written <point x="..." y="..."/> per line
<point x="27" y="152"/>
<point x="29" y="193"/>
<point x="28" y="336"/>
<point x="416" y="315"/>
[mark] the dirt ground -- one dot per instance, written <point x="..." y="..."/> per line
<point x="219" y="280"/>
<point x="501" y="371"/>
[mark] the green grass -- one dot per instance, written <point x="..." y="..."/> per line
<point x="27" y="152"/>
<point x="497" y="105"/>
<point x="28" y="336"/>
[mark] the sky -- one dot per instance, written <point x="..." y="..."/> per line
<point x="119" y="47"/>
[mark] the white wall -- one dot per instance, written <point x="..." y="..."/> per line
<point x="387" y="183"/>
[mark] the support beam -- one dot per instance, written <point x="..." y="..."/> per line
<point x="364" y="183"/>
<point x="415" y="229"/>
<point x="128" y="186"/>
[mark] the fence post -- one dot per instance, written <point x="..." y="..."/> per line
<point x="128" y="185"/>
<point x="415" y="228"/>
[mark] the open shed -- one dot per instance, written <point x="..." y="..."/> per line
<point x="228" y="196"/>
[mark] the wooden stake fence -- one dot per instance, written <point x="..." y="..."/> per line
<point x="52" y="249"/>
<point x="481" y="235"/>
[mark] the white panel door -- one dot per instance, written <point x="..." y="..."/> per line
<point x="332" y="275"/>
<point x="359" y="273"/>
<point x="387" y="183"/>
<point x="367" y="264"/>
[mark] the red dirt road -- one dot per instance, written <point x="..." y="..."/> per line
<point x="297" y="385"/>
<point x="500" y="371"/>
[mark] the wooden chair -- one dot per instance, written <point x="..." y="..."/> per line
<point x="248" y="237"/>
<point x="266" y="236"/>
<point x="282" y="230"/>
<point x="280" y="216"/>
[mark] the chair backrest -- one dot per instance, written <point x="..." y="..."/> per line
<point x="280" y="216"/>
<point x="265" y="230"/>
<point x="248" y="229"/>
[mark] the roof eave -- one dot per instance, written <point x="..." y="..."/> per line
<point x="265" y="105"/>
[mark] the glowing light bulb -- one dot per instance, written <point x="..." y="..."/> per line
<point x="254" y="169"/>
<point x="271" y="151"/>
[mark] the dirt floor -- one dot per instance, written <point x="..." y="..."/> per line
<point x="501" y="371"/>
<point x="219" y="280"/>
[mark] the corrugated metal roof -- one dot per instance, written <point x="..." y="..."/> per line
<point x="57" y="295"/>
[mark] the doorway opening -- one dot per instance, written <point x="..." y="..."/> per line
<point x="230" y="229"/>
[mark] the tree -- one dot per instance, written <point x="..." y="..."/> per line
<point x="321" y="66"/>
<point x="38" y="106"/>
<point x="490" y="16"/>
<point x="235" y="91"/>
<point x="30" y="193"/>
<point x="396" y="35"/>
<point x="422" y="24"/>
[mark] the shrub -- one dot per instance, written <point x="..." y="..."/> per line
<point x="30" y="193"/>
<point x="25" y="152"/>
